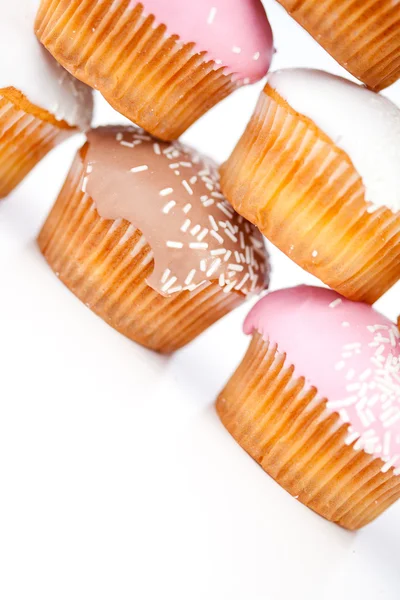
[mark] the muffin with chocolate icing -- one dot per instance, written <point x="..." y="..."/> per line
<point x="142" y="234"/>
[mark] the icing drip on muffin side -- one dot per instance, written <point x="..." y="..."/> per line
<point x="172" y="195"/>
<point x="28" y="68"/>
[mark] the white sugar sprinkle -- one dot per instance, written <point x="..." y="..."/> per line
<point x="214" y="267"/>
<point x="165" y="276"/>
<point x="139" y="169"/>
<point x="230" y="235"/>
<point x="202" y="235"/>
<point x="352" y="437"/>
<point x="213" y="222"/>
<point x="189" y="278"/>
<point x="187" y="187"/>
<point x="236" y="50"/>
<point x="166" y="192"/>
<point x="227" y="256"/>
<point x="256" y="243"/>
<point x="175" y="290"/>
<point x="242" y="282"/>
<point x="211" y="15"/>
<point x="198" y="245"/>
<point x="169" y="284"/>
<point x="186" y="225"/>
<point x="256" y="56"/>
<point x="187" y="208"/>
<point x="169" y="206"/>
<point x="228" y="288"/>
<point x="216" y="235"/>
<point x="157" y="149"/>
<point x="225" y="209"/>
<point x="365" y="374"/>
<point x="195" y="230"/>
<point x="335" y="303"/>
<point x="352" y="346"/>
<point x="171" y="244"/>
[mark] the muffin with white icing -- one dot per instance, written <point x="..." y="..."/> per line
<point x="40" y="103"/>
<point x="316" y="402"/>
<point x="143" y="236"/>
<point x="317" y="170"/>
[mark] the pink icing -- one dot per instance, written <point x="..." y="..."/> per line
<point x="234" y="33"/>
<point x="348" y="351"/>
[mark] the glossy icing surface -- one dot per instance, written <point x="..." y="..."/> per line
<point x="28" y="67"/>
<point x="235" y="33"/>
<point x="348" y="351"/>
<point x="172" y="194"/>
<point x="364" y="124"/>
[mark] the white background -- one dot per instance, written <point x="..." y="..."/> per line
<point x="117" y="480"/>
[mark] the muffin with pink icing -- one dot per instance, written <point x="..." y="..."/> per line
<point x="161" y="64"/>
<point x="316" y="402"/>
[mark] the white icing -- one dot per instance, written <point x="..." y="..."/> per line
<point x="28" y="67"/>
<point x="363" y="124"/>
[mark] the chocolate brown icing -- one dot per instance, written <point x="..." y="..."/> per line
<point x="172" y="195"/>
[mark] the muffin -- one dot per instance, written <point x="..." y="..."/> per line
<point x="161" y="64"/>
<point x="364" y="37"/>
<point x="142" y="234"/>
<point x="317" y="170"/>
<point x="316" y="402"/>
<point x="40" y="103"/>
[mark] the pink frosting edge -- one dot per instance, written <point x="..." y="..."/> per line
<point x="236" y="34"/>
<point x="358" y="368"/>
